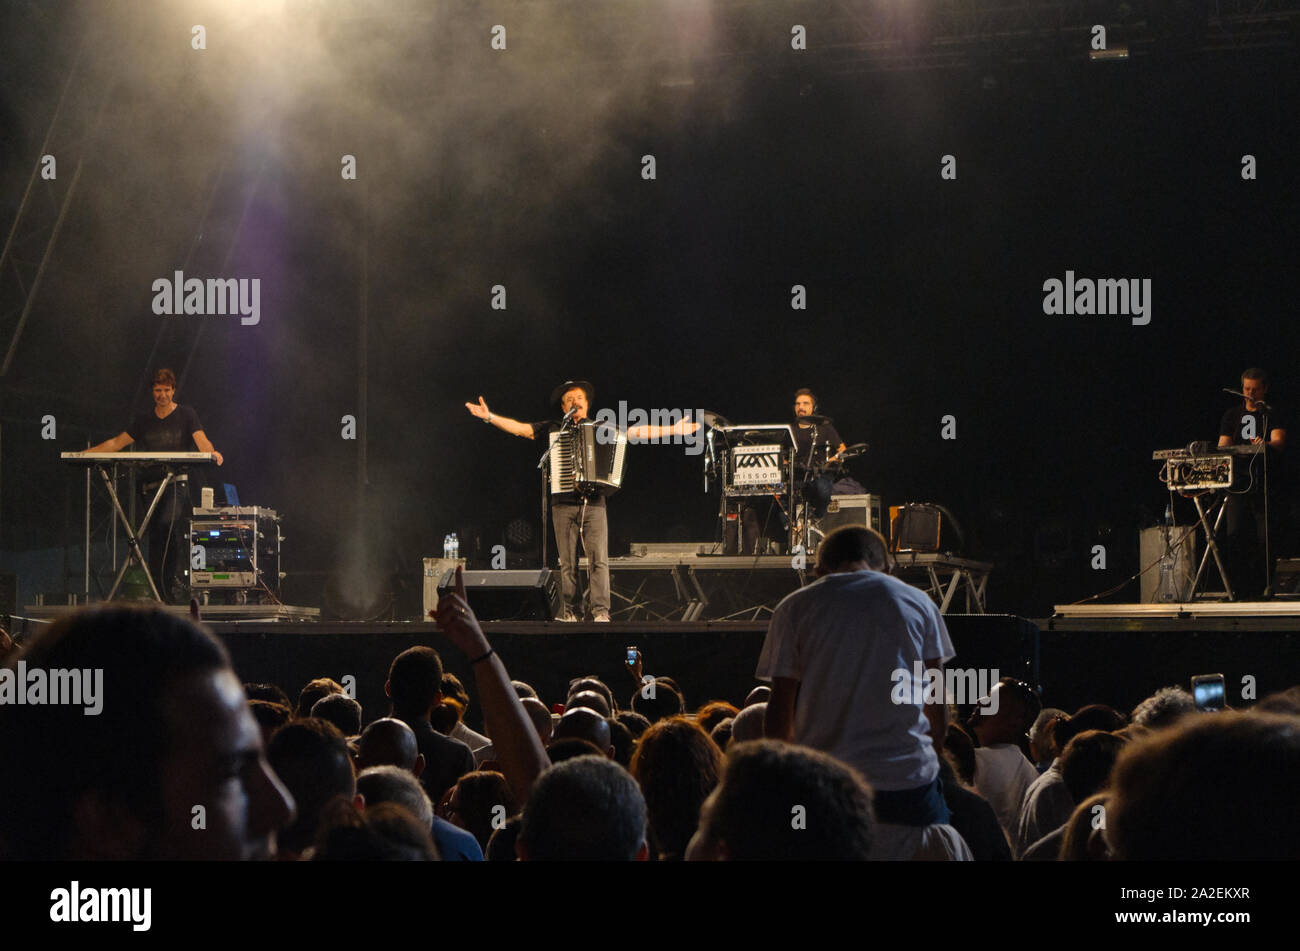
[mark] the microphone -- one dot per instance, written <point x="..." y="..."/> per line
<point x="569" y="415"/>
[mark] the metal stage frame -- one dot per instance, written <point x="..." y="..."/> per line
<point x="677" y="586"/>
<point x="944" y="576"/>
<point x="765" y="580"/>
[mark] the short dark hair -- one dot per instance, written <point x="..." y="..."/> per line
<point x="753" y="809"/>
<point x="804" y="391"/>
<point x="1087" y="761"/>
<point x="341" y="710"/>
<point x="1255" y="373"/>
<point x="269" y="692"/>
<point x="388" y="742"/>
<point x="415" y="679"/>
<point x="850" y="543"/>
<point x="620" y="737"/>
<point x="636" y="723"/>
<point x="315" y="690"/>
<point x="164" y="377"/>
<point x="54" y="753"/>
<point x="501" y="847"/>
<point x="1030" y="703"/>
<point x="571" y="747"/>
<point x="1209" y="788"/>
<point x="269" y="716"/>
<point x="1095" y="716"/>
<point x="584" y="809"/>
<point x="662" y="702"/>
<point x="312" y="760"/>
<point x="453" y="688"/>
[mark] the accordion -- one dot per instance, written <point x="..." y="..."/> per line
<point x="587" y="458"/>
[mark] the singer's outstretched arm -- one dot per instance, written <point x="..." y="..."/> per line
<point x="504" y="423"/>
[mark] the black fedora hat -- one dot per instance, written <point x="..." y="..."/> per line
<point x="587" y="388"/>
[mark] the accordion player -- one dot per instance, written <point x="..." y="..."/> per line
<point x="587" y="457"/>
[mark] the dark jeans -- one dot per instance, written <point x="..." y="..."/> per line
<point x="588" y="522"/>
<point x="922" y="806"/>
<point x="1243" y="541"/>
<point x="169" y="542"/>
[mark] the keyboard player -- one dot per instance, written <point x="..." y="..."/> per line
<point x="1253" y="421"/>
<point x="168" y="427"/>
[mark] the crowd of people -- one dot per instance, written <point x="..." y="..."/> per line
<point x="184" y="761"/>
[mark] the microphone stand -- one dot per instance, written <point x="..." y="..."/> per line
<point x="543" y="466"/>
<point x="1268" y="552"/>
<point x="803" y="489"/>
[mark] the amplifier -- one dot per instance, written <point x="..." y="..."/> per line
<point x="914" y="527"/>
<point x="1152" y="543"/>
<point x="531" y="594"/>
<point x="864" y="510"/>
<point x="435" y="569"/>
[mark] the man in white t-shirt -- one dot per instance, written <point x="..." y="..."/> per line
<point x="843" y="654"/>
<point x="1002" y="772"/>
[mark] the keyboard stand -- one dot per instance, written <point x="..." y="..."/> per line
<point x="1211" y="547"/>
<point x="132" y="535"/>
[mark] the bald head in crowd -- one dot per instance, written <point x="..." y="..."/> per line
<point x="591" y="700"/>
<point x="748" y="723"/>
<point x="390" y="742"/>
<point x="584" y="724"/>
<point x="540" y="716"/>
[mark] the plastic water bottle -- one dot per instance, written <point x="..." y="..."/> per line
<point x="446" y="546"/>
<point x="455" y="546"/>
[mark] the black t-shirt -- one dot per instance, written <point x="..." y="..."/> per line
<point x="542" y="431"/>
<point x="828" y="441"/>
<point x="173" y="433"/>
<point x="1234" y="420"/>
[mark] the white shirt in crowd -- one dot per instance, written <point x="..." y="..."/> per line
<point x="843" y="637"/>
